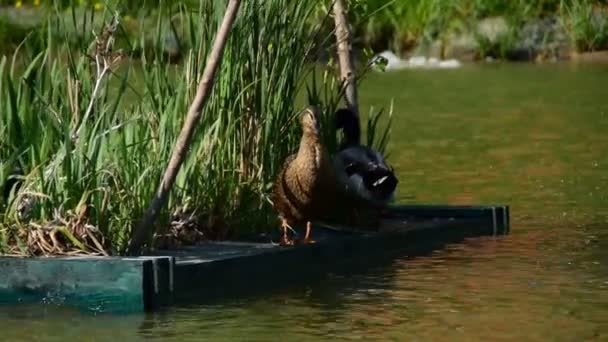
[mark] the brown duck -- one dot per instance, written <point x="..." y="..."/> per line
<point x="304" y="189"/>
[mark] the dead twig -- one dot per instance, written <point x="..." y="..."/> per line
<point x="105" y="58"/>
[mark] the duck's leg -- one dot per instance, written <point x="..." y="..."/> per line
<point x="285" y="239"/>
<point x="307" y="236"/>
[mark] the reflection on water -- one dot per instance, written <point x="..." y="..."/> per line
<point x="531" y="136"/>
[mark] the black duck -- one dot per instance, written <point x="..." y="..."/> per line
<point x="362" y="172"/>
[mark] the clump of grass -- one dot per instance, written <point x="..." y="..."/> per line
<point x="501" y="47"/>
<point x="90" y="140"/>
<point x="401" y="25"/>
<point x="587" y="24"/>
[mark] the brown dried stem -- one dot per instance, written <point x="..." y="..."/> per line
<point x="347" y="71"/>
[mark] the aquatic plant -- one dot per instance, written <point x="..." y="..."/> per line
<point x="89" y="140"/>
<point x="401" y="25"/>
<point x="586" y="24"/>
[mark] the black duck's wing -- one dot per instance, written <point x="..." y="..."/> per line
<point x="351" y="161"/>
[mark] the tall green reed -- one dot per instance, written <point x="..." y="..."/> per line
<point x="102" y="168"/>
<point x="586" y="24"/>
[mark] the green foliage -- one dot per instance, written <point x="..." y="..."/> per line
<point x="102" y="143"/>
<point x="518" y="8"/>
<point x="501" y="47"/>
<point x="12" y="34"/>
<point x="399" y="25"/>
<point x="587" y="25"/>
<point x="403" y="24"/>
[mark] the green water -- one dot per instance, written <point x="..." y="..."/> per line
<point x="534" y="137"/>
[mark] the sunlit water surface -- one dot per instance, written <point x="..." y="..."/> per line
<point x="534" y="137"/>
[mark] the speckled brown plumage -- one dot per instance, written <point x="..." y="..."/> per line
<point x="304" y="189"/>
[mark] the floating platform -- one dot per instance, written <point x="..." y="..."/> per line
<point x="214" y="269"/>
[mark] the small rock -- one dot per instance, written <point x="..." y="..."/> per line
<point x="433" y="62"/>
<point x="417" y="61"/>
<point x="393" y="62"/>
<point x="492" y="28"/>
<point x="543" y="37"/>
<point x="463" y="47"/>
<point x="450" y="64"/>
<point x="430" y="50"/>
